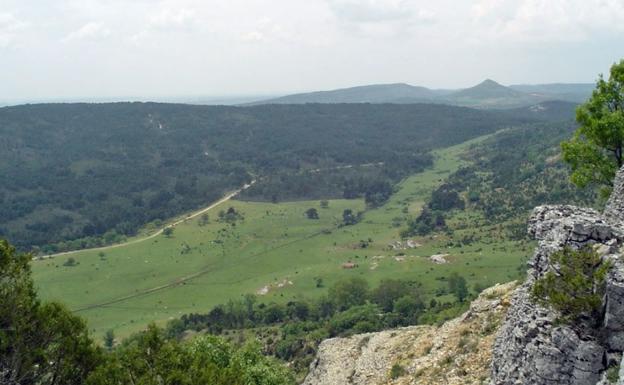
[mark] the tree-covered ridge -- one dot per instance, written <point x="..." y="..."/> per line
<point x="509" y="174"/>
<point x="95" y="173"/>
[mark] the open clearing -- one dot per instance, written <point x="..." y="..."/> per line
<point x="125" y="287"/>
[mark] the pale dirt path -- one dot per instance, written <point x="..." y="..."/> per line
<point x="160" y="231"/>
<point x="193" y="215"/>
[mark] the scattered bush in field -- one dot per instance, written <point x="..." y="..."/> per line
<point x="168" y="231"/>
<point x="71" y="261"/>
<point x="312" y="213"/>
<point x="204" y="219"/>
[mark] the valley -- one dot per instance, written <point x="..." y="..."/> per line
<point x="275" y="251"/>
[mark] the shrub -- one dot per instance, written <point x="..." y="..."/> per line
<point x="311" y="213"/>
<point x="71" y="261"/>
<point x="397" y="371"/>
<point x="577" y="288"/>
<point x="361" y="319"/>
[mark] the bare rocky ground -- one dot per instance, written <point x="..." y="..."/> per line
<point x="458" y="352"/>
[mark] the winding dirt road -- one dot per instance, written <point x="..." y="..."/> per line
<point x="160" y="231"/>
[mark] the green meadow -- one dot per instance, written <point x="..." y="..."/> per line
<point x="278" y="253"/>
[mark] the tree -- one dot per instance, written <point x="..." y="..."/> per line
<point x="349" y="292"/>
<point x="152" y="359"/>
<point x="40" y="343"/>
<point x="71" y="261"/>
<point x="168" y="231"/>
<point x="409" y="308"/>
<point x="109" y="339"/>
<point x="595" y="152"/>
<point x="388" y="291"/>
<point x="458" y="287"/>
<point x="425" y="223"/>
<point x="324" y="204"/>
<point x="203" y="220"/>
<point x="358" y="319"/>
<point x="445" y="198"/>
<point x="311" y="213"/>
<point x="348" y="218"/>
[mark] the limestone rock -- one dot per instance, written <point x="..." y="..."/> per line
<point x="531" y="348"/>
<point x="614" y="211"/>
<point x="457" y="353"/>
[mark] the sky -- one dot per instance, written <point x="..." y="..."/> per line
<point x="63" y="49"/>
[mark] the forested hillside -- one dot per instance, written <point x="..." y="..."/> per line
<point x="508" y="175"/>
<point x="79" y="175"/>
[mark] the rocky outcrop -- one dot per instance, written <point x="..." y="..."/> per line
<point x="531" y="347"/>
<point x="615" y="205"/>
<point x="458" y="352"/>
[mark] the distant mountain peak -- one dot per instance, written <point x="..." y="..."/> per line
<point x="490" y="82"/>
<point x="488" y="89"/>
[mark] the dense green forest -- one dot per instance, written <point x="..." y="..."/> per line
<point x="82" y="175"/>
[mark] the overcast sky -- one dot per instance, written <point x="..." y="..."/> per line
<point x="114" y="48"/>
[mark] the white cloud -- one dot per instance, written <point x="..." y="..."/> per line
<point x="371" y="10"/>
<point x="253" y="37"/>
<point x="546" y="20"/>
<point x="381" y="18"/>
<point x="168" y="18"/>
<point x="10" y="26"/>
<point x="267" y="30"/>
<point x="89" y="31"/>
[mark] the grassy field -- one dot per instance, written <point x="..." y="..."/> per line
<point x="275" y="250"/>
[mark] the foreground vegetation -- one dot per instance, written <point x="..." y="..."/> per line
<point x="293" y="331"/>
<point x="576" y="290"/>
<point x="43" y="343"/>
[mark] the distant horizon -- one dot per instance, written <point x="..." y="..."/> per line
<point x="233" y="99"/>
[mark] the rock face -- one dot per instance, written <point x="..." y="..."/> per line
<point x="457" y="353"/>
<point x="531" y="348"/>
<point x="615" y="206"/>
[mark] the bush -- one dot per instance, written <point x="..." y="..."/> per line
<point x="311" y="213"/>
<point x="348" y="293"/>
<point x="577" y="288"/>
<point x="364" y="318"/>
<point x="397" y="371"/>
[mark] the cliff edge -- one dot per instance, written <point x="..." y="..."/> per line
<point x="458" y="352"/>
<point x="531" y="346"/>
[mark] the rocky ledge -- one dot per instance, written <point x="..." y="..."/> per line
<point x="458" y="352"/>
